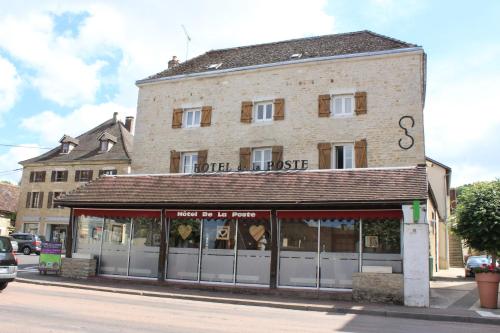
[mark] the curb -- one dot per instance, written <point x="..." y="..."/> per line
<point x="278" y="305"/>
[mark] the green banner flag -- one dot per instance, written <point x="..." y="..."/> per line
<point x="416" y="211"/>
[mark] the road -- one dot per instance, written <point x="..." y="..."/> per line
<point x="56" y="309"/>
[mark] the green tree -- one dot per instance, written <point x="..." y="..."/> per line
<point x="478" y="217"/>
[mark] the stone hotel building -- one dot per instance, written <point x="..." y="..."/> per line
<point x="290" y="165"/>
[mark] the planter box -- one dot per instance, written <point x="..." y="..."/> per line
<point x="378" y="287"/>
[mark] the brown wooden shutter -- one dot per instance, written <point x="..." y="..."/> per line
<point x="279" y="109"/>
<point x="49" y="199"/>
<point x="202" y="158"/>
<point x="175" y="159"/>
<point x="277" y="153"/>
<point x="324" y="105"/>
<point x="53" y="176"/>
<point x="245" y="156"/>
<point x="40" y="200"/>
<point x="206" y="116"/>
<point x="360" y="153"/>
<point x="77" y="176"/>
<point x="43" y="175"/>
<point x="360" y="99"/>
<point x="325" y="155"/>
<point x="28" y="200"/>
<point x="32" y="176"/>
<point x="246" y="112"/>
<point x="91" y="174"/>
<point x="177" y="118"/>
<point x="65" y="176"/>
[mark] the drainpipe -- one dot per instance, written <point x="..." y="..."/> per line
<point x="446" y="240"/>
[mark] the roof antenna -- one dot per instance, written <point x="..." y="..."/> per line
<point x="188" y="39"/>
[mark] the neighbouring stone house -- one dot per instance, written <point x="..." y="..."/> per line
<point x="294" y="165"/>
<point x="9" y="196"/>
<point x="103" y="150"/>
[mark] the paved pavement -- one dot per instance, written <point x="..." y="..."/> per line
<point x="55" y="309"/>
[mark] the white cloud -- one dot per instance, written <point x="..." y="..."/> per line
<point x="9" y="85"/>
<point x="51" y="127"/>
<point x="9" y="161"/>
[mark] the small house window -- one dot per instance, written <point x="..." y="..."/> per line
<point x="35" y="200"/>
<point x="104" y="145"/>
<point x="66" y="147"/>
<point x="264" y="111"/>
<point x="108" y="172"/>
<point x="343" y="158"/>
<point x="261" y="157"/>
<point x="192" y="118"/>
<point x="59" y="176"/>
<point x="342" y="105"/>
<point x="189" y="160"/>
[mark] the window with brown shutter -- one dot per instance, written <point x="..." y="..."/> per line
<point x="83" y="175"/>
<point x="206" y="116"/>
<point x="28" y="200"/>
<point x="279" y="109"/>
<point x="177" y="118"/>
<point x="324" y="105"/>
<point x="202" y="158"/>
<point x="32" y="176"/>
<point x="361" y="154"/>
<point x="246" y="112"/>
<point x="325" y="155"/>
<point x="49" y="200"/>
<point x="360" y="101"/>
<point x="77" y="178"/>
<point x="175" y="158"/>
<point x="277" y="155"/>
<point x="40" y="199"/>
<point x="245" y="158"/>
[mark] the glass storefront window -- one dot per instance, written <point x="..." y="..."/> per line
<point x="217" y="261"/>
<point x="32" y="228"/>
<point x="298" y="257"/>
<point x="382" y="243"/>
<point x="254" y="251"/>
<point x="184" y="247"/>
<point x="145" y="247"/>
<point x="339" y="252"/>
<point x="115" y="246"/>
<point x="89" y="235"/>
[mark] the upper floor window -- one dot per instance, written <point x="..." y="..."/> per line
<point x="342" y="105"/>
<point x="83" y="175"/>
<point x="104" y="145"/>
<point x="65" y="148"/>
<point x="263" y="111"/>
<point x="53" y="196"/>
<point x="261" y="158"/>
<point x="108" y="172"/>
<point x="34" y="200"/>
<point x="343" y="157"/>
<point x="192" y="118"/>
<point x="59" y="176"/>
<point x="37" y="176"/>
<point x="188" y="162"/>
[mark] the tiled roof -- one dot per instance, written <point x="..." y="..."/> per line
<point x="312" y="47"/>
<point x="88" y="148"/>
<point x="291" y="187"/>
<point x="9" y="196"/>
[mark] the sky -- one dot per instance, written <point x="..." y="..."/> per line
<point x="67" y="66"/>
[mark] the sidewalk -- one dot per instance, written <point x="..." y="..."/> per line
<point x="442" y="293"/>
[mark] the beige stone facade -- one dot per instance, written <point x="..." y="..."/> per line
<point x="394" y="84"/>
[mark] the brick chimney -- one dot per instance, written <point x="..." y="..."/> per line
<point x="129" y="123"/>
<point x="115" y="117"/>
<point x="174" y="62"/>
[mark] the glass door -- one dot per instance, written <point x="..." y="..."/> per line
<point x="184" y="249"/>
<point x="115" y="246"/>
<point x="339" y="252"/>
<point x="145" y="247"/>
<point x="298" y="255"/>
<point x="218" y="250"/>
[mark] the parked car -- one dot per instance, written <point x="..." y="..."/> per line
<point x="28" y="242"/>
<point x="15" y="244"/>
<point x="474" y="262"/>
<point x="8" y="263"/>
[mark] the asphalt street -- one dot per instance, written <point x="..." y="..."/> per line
<point x="56" y="309"/>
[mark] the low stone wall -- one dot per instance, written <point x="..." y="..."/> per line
<point x="78" y="268"/>
<point x="378" y="287"/>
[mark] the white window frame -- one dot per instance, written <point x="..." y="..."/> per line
<point x="334" y="155"/>
<point x="344" y="111"/>
<point x="262" y="163"/>
<point x="108" y="172"/>
<point x="192" y="111"/>
<point x="35" y="199"/>
<point x="188" y="167"/>
<point x="264" y="104"/>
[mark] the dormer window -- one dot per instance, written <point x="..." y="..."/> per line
<point x="106" y="142"/>
<point x="67" y="144"/>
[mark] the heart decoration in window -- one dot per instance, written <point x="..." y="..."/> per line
<point x="257" y="231"/>
<point x="184" y="231"/>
